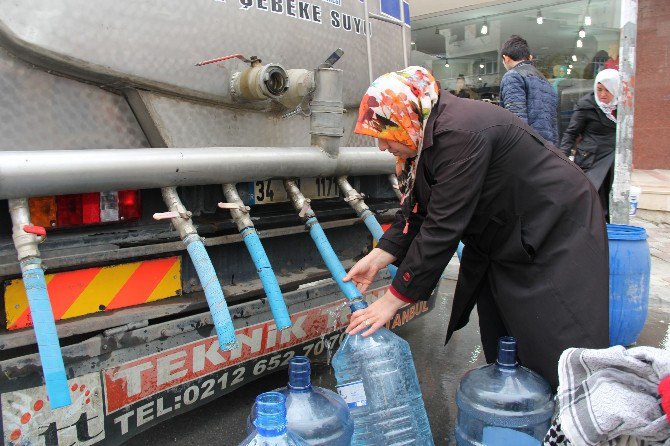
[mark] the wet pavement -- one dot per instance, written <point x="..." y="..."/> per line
<point x="439" y="367"/>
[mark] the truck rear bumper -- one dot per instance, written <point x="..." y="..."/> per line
<point x="126" y="380"/>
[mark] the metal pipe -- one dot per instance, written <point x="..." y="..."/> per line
<point x="326" y="120"/>
<point x="301" y="204"/>
<point x="240" y="214"/>
<point x="395" y="186"/>
<point x="56" y="172"/>
<point x="368" y="46"/>
<point x="402" y="31"/>
<point x="382" y="18"/>
<point x="181" y="220"/>
<point x="355" y="200"/>
<point x="623" y="155"/>
<point x="44" y="325"/>
<point x="238" y="210"/>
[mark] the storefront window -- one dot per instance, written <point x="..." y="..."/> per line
<point x="570" y="43"/>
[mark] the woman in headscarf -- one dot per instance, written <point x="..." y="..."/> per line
<point x="594" y="123"/>
<point x="535" y="260"/>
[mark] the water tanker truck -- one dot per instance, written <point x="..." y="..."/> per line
<point x="179" y="181"/>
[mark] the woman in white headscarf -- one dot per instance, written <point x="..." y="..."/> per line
<point x="592" y="133"/>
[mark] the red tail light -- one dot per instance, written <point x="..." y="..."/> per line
<point x="68" y="210"/>
<point x="129" y="205"/>
<point x="90" y="204"/>
<point x="85" y="209"/>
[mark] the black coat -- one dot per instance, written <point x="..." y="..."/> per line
<point x="535" y="240"/>
<point x="595" y="151"/>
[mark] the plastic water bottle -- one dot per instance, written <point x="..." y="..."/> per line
<point x="633" y="197"/>
<point x="270" y="423"/>
<point x="503" y="403"/>
<point x="318" y="415"/>
<point x="377" y="379"/>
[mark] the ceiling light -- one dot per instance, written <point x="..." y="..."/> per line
<point x="587" y="20"/>
<point x="446" y="63"/>
<point x="485" y="28"/>
<point x="480" y="78"/>
<point x="582" y="33"/>
<point x="579" y="43"/>
<point x="481" y="65"/>
<point x="540" y="20"/>
<point x="574" y="58"/>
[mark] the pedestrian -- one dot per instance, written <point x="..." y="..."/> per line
<point x="526" y="92"/>
<point x="535" y="261"/>
<point x="461" y="91"/>
<point x="593" y="124"/>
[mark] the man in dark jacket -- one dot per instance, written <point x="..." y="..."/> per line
<point x="535" y="261"/>
<point x="525" y="92"/>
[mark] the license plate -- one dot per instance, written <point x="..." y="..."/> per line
<point x="272" y="191"/>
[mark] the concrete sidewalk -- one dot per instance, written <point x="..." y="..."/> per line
<point x="657" y="328"/>
<point x="654" y="203"/>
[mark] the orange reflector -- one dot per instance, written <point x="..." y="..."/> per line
<point x="43" y="211"/>
<point x="91" y="290"/>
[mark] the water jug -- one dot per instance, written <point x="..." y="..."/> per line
<point x="377" y="379"/>
<point x="270" y="423"/>
<point x="503" y="403"/>
<point x="319" y="416"/>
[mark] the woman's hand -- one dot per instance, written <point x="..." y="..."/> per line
<point x="374" y="316"/>
<point x="364" y="271"/>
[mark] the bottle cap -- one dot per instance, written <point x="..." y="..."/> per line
<point x="507" y="351"/>
<point x="299" y="374"/>
<point x="270" y="414"/>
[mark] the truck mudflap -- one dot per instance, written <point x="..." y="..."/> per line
<point x="128" y="382"/>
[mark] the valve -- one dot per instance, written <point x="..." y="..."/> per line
<point x="306" y="208"/>
<point x="256" y="83"/>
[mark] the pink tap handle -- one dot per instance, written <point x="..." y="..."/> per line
<point x="234" y="206"/>
<point x="165" y="215"/>
<point x="37" y="230"/>
<point x="221" y="59"/>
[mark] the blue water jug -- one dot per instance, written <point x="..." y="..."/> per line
<point x="630" y="263"/>
<point x="503" y="404"/>
<point x="318" y="415"/>
<point x="377" y="379"/>
<point x="270" y="423"/>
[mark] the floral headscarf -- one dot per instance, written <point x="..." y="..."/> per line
<point x="396" y="107"/>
